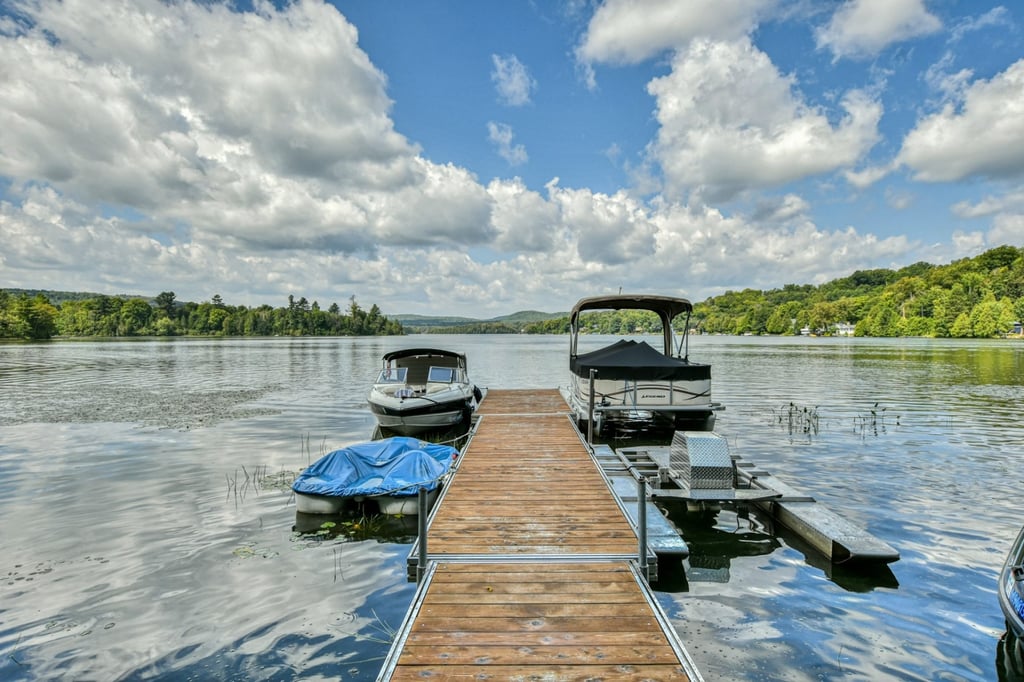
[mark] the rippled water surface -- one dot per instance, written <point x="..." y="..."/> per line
<point x="147" y="527"/>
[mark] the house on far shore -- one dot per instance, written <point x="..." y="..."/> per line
<point x="837" y="329"/>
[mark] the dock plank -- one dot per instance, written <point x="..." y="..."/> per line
<point x="532" y="573"/>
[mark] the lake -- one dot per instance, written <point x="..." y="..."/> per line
<point x="147" y="523"/>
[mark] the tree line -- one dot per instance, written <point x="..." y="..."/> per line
<point x="979" y="297"/>
<point x="35" y="317"/>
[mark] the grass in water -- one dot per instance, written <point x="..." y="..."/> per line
<point x="874" y="422"/>
<point x="797" y="419"/>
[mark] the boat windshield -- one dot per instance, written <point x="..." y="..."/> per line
<point x="441" y="375"/>
<point x="392" y="375"/>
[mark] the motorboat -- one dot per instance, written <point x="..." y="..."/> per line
<point x="632" y="384"/>
<point x="1011" y="589"/>
<point x="423" y="389"/>
<point x="390" y="472"/>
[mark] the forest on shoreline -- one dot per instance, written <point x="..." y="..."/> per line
<point x="35" y="317"/>
<point x="978" y="297"/>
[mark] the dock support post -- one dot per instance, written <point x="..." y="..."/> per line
<point x="641" y="522"/>
<point x="421" y="563"/>
<point x="590" y="421"/>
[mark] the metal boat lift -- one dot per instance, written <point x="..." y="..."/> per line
<point x="698" y="469"/>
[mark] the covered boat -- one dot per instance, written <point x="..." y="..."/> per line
<point x="423" y="389"/>
<point x="390" y="471"/>
<point x="632" y="383"/>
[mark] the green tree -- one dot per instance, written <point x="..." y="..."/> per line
<point x="135" y="314"/>
<point x="165" y="302"/>
<point x="961" y="327"/>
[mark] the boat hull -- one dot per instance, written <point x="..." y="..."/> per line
<point x="391" y="505"/>
<point x="672" y="405"/>
<point x="413" y="416"/>
<point x="1011" y="588"/>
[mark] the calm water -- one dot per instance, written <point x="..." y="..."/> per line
<point x="147" y="528"/>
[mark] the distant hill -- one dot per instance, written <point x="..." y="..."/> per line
<point x="407" y="320"/>
<point x="58" y="297"/>
<point x="426" y="321"/>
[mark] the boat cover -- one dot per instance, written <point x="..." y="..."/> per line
<point x="392" y="466"/>
<point x="637" y="360"/>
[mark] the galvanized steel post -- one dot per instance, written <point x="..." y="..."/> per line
<point x="641" y="519"/>
<point x="421" y="563"/>
<point x="590" y="422"/>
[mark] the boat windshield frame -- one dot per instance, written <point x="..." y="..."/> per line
<point x="442" y="375"/>
<point x="392" y="375"/>
<point x="667" y="308"/>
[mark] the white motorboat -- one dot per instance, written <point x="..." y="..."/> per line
<point x="630" y="383"/>
<point x="423" y="389"/>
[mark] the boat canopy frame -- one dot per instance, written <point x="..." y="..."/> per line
<point x="667" y="308"/>
<point x="457" y="359"/>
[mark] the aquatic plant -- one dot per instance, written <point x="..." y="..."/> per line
<point x="797" y="419"/>
<point x="250" y="551"/>
<point x="356" y="528"/>
<point x="874" y="422"/>
<point x="308" y="451"/>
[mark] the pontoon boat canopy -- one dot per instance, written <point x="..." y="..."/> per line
<point x="665" y="307"/>
<point x="636" y="361"/>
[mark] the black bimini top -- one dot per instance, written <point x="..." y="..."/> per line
<point x="666" y="307"/>
<point x="638" y="361"/>
<point x="423" y="352"/>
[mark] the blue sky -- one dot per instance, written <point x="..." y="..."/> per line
<point x="480" y="158"/>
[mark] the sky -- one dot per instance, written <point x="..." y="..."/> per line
<point x="482" y="157"/>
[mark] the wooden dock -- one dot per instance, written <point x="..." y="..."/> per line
<point x="533" y="567"/>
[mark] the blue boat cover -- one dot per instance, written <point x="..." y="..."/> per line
<point x="392" y="466"/>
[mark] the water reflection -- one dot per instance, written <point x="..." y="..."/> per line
<point x="1010" y="658"/>
<point x="715" y="538"/>
<point x="125" y="558"/>
<point x="354" y="525"/>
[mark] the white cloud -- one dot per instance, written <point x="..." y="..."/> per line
<point x="718" y="252"/>
<point x="992" y="205"/>
<point x="501" y="136"/>
<point x="866" y="177"/>
<point x="730" y="122"/>
<point x="271" y="127"/>
<point x="980" y="135"/>
<point x="524" y="220"/>
<point x="446" y="206"/>
<point x="900" y="200"/>
<point x="512" y="80"/>
<point x="997" y="16"/>
<point x="608" y="229"/>
<point x="622" y="31"/>
<point x="776" y="210"/>
<point x="863" y="28"/>
<point x="1006" y="229"/>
